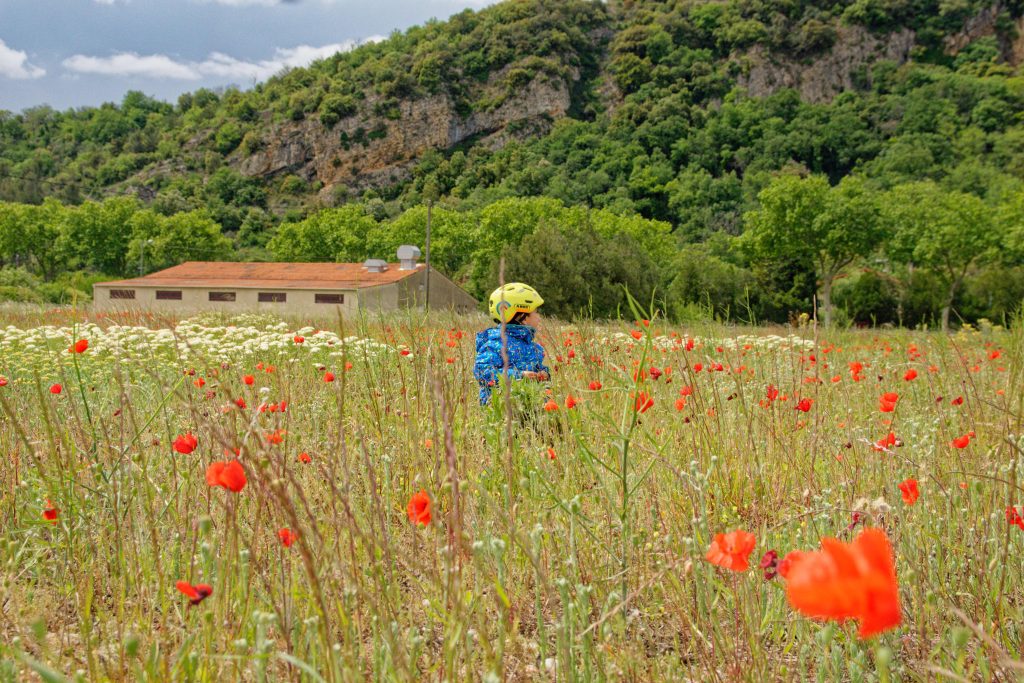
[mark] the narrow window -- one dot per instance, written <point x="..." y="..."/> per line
<point x="272" y="297"/>
<point x="168" y="295"/>
<point x="222" y="296"/>
<point x="330" y="298"/>
<point x="122" y="294"/>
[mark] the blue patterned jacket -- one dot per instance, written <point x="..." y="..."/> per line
<point x="524" y="354"/>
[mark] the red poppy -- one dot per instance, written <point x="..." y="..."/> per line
<point x="909" y="491"/>
<point x="570" y="403"/>
<point x="770" y="564"/>
<point x="697" y="367"/>
<point x="240" y="402"/>
<point x="887" y="403"/>
<point x="686" y="391"/>
<point x="962" y="441"/>
<point x="732" y="550"/>
<point x="56" y="389"/>
<point x="771" y="393"/>
<point x="304" y="458"/>
<point x="50" y="513"/>
<point x="550" y="406"/>
<point x="79" y="346"/>
<point x="200" y="383"/>
<point x="848" y="581"/>
<point x="551" y="453"/>
<point x="276" y="436"/>
<point x="958" y="401"/>
<point x="643" y="402"/>
<point x="195" y="594"/>
<point x="886" y="441"/>
<point x="856" y="518"/>
<point x="911" y="374"/>
<point x="636" y="334"/>
<point x="185" y="443"/>
<point x="3" y="381"/>
<point x="287" y="537"/>
<point x="595" y="386"/>
<point x="1014" y="517"/>
<point x="804" y="405"/>
<point x="230" y="475"/>
<point x="655" y="373"/>
<point x="298" y="339"/>
<point x="419" y="508"/>
<point x="249" y="379"/>
<point x="786" y="563"/>
<point x="680" y="403"/>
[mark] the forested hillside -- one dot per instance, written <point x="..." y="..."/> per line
<point x="730" y="158"/>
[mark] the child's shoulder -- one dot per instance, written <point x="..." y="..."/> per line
<point x="488" y="335"/>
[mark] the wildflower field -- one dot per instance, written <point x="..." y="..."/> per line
<point x="256" y="499"/>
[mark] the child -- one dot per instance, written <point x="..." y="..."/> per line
<point x="516" y="305"/>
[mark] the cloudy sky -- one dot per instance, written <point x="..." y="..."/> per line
<point x="72" y="53"/>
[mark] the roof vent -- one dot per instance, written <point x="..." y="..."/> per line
<point x="375" y="265"/>
<point x="407" y="256"/>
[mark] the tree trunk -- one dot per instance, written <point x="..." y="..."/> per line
<point x="826" y="300"/>
<point x="949" y="305"/>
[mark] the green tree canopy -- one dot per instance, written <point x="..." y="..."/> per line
<point x="947" y="232"/>
<point x="806" y="218"/>
<point x="328" y="235"/>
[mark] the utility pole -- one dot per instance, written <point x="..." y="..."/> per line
<point x="142" y="257"/>
<point x="426" y="274"/>
<point x="430" y="193"/>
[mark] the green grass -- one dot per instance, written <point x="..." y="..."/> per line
<point x="588" y="566"/>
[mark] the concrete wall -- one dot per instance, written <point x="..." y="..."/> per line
<point x="409" y="291"/>
<point x="298" y="301"/>
<point x="443" y="293"/>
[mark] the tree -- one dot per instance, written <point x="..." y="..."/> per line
<point x="98" y="233"/>
<point x="452" y="237"/>
<point x="506" y="222"/>
<point x="577" y="270"/>
<point x="165" y="241"/>
<point x="34" y="234"/>
<point x="329" y="235"/>
<point x="831" y="226"/>
<point x="947" y="232"/>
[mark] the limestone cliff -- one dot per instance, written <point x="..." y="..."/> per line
<point x="359" y="153"/>
<point x="822" y="78"/>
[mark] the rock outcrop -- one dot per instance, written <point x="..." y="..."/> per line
<point x="357" y="153"/>
<point x="827" y="75"/>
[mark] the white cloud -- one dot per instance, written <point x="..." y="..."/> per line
<point x="224" y="66"/>
<point x="14" y="64"/>
<point x="243" y="3"/>
<point x="217" y="65"/>
<point x="131" y="64"/>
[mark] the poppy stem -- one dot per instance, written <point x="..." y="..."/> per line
<point x="85" y="402"/>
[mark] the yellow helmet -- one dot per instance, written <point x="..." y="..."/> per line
<point x="511" y="299"/>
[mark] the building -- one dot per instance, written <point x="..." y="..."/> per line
<point x="289" y="288"/>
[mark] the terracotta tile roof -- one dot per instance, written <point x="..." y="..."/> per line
<point x="233" y="275"/>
